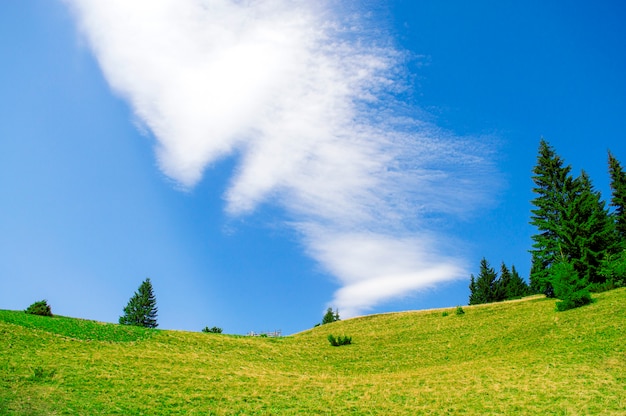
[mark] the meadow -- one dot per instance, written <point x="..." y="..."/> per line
<point x="516" y="357"/>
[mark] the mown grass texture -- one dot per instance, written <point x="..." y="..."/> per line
<point x="518" y="357"/>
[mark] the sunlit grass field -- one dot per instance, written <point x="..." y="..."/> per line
<point x="518" y="357"/>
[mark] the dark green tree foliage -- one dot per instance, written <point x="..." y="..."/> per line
<point x="618" y="200"/>
<point x="40" y="308"/>
<point x="141" y="309"/>
<point x="569" y="287"/>
<point x="488" y="287"/>
<point x="536" y="286"/>
<point x="586" y="231"/>
<point x="214" y="330"/>
<point x="553" y="184"/>
<point x="517" y="287"/>
<point x="576" y="234"/>
<point x="502" y="284"/>
<point x="340" y="340"/>
<point x="330" y="316"/>
<point x="483" y="289"/>
<point x="613" y="270"/>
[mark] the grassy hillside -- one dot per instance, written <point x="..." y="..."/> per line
<point x="515" y="358"/>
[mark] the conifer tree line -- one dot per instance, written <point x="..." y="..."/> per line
<point x="488" y="287"/>
<point x="580" y="244"/>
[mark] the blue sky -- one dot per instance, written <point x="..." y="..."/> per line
<point x="263" y="161"/>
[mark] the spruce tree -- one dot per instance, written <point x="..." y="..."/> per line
<point x="141" y="309"/>
<point x="536" y="286"/>
<point x="503" y="283"/>
<point x="553" y="184"/>
<point x="587" y="233"/>
<point x="618" y="200"/>
<point x="517" y="287"/>
<point x="330" y="316"/>
<point x="483" y="289"/>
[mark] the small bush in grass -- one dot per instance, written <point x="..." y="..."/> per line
<point x="445" y="313"/>
<point x="459" y="311"/>
<point x="214" y="330"/>
<point x="40" y="308"/>
<point x="574" y="300"/>
<point x="340" y="340"/>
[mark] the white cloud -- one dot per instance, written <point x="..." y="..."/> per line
<point x="303" y="94"/>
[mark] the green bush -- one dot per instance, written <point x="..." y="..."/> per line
<point x="574" y="300"/>
<point x="444" y="313"/>
<point x="569" y="287"/>
<point x="40" y="308"/>
<point x="339" y="341"/>
<point x="214" y="330"/>
<point x="459" y="311"/>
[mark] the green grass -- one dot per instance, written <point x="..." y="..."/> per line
<point x="80" y="329"/>
<point x="519" y="357"/>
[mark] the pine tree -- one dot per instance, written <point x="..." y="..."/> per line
<point x="618" y="200"/>
<point x="483" y="289"/>
<point x="517" y="287"/>
<point x="330" y="316"/>
<point x="536" y="273"/>
<point x="141" y="309"/>
<point x="569" y="286"/>
<point x="587" y="233"/>
<point x="553" y="184"/>
<point x="503" y="283"/>
<point x="473" y="287"/>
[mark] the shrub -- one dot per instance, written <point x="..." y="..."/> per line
<point x="574" y="300"/>
<point x="339" y="341"/>
<point x="459" y="311"/>
<point x="40" y="308"/>
<point x="445" y="313"/>
<point x="214" y="330"/>
<point x="572" y="290"/>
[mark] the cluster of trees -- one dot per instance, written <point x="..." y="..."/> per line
<point x="489" y="287"/>
<point x="580" y="244"/>
<point x="579" y="247"/>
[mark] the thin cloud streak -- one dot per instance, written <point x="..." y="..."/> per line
<point x="303" y="96"/>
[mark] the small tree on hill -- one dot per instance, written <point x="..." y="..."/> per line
<point x="517" y="287"/>
<point x="502" y="284"/>
<point x="330" y="316"/>
<point x="141" y="309"/>
<point x="483" y="289"/>
<point x="569" y="286"/>
<point x="39" y="308"/>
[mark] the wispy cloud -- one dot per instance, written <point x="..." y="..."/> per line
<point x="303" y="95"/>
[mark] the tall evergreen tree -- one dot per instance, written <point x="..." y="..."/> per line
<point x="141" y="309"/>
<point x="502" y="284"/>
<point x="587" y="233"/>
<point x="536" y="273"/>
<point x="553" y="184"/>
<point x="618" y="200"/>
<point x="483" y="289"/>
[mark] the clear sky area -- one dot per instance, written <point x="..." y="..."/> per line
<point x="262" y="161"/>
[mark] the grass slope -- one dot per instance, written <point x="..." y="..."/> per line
<point x="507" y="358"/>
